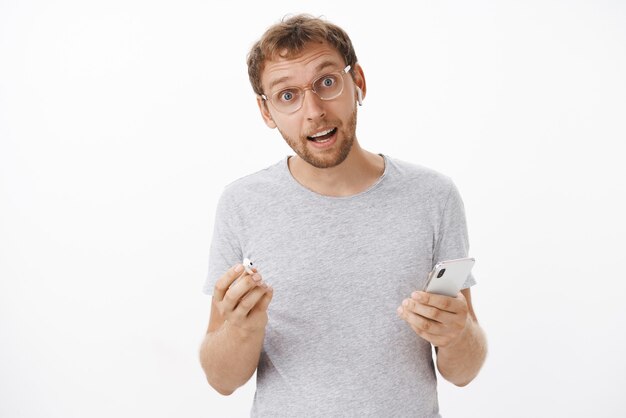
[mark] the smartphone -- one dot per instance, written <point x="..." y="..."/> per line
<point x="447" y="277"/>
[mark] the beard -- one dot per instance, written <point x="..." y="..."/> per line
<point x="346" y="134"/>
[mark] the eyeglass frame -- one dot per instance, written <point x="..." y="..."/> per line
<point x="309" y="86"/>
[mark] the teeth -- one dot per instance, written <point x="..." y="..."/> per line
<point x="322" y="133"/>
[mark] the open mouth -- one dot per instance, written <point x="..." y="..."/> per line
<point x="322" y="136"/>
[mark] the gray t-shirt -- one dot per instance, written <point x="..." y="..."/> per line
<point x="340" y="266"/>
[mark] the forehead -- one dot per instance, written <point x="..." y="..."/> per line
<point x="314" y="57"/>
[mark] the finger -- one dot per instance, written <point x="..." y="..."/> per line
<point x="238" y="290"/>
<point x="224" y="282"/>
<point x="250" y="300"/>
<point x="421" y="324"/>
<point x="265" y="301"/>
<point x="445" y="303"/>
<point x="436" y="340"/>
<point x="429" y="312"/>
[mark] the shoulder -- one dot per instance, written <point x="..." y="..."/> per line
<point x="257" y="184"/>
<point x="419" y="178"/>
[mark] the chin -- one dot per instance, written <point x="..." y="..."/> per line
<point x="326" y="159"/>
<point x="330" y="159"/>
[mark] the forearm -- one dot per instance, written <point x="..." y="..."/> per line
<point x="229" y="357"/>
<point x="459" y="363"/>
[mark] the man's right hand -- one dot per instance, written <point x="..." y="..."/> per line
<point x="242" y="305"/>
<point x="230" y="351"/>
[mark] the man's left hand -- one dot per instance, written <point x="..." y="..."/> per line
<point x="438" y="319"/>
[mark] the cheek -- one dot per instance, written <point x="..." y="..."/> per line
<point x="289" y="127"/>
<point x="347" y="106"/>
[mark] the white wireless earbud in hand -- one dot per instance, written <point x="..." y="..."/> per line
<point x="247" y="265"/>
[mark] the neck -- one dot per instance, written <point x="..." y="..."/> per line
<point x="360" y="170"/>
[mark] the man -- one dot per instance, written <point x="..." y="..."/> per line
<point x="346" y="238"/>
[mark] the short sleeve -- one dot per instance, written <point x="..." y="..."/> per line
<point x="225" y="250"/>
<point x="452" y="237"/>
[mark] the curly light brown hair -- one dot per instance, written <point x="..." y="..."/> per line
<point x="288" y="38"/>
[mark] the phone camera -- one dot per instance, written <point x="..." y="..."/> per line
<point x="441" y="273"/>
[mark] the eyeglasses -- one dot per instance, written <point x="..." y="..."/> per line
<point x="290" y="99"/>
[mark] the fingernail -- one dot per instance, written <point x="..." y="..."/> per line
<point x="399" y="310"/>
<point x="238" y="268"/>
<point x="256" y="277"/>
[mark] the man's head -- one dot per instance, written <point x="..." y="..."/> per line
<point x="306" y="76"/>
<point x="288" y="39"/>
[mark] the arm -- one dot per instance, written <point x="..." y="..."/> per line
<point x="449" y="324"/>
<point x="460" y="361"/>
<point x="230" y="351"/>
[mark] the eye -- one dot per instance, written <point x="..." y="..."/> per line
<point x="286" y="95"/>
<point x="328" y="81"/>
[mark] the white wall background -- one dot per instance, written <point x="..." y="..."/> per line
<point x="121" y="121"/>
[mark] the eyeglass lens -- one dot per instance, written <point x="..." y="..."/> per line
<point x="327" y="87"/>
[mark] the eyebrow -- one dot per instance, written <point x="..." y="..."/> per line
<point x="320" y="67"/>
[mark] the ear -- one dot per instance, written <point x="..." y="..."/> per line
<point x="359" y="80"/>
<point x="265" y="112"/>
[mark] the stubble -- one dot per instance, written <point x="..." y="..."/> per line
<point x="321" y="159"/>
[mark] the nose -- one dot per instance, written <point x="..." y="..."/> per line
<point x="312" y="106"/>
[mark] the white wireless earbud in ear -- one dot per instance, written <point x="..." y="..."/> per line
<point x="359" y="95"/>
